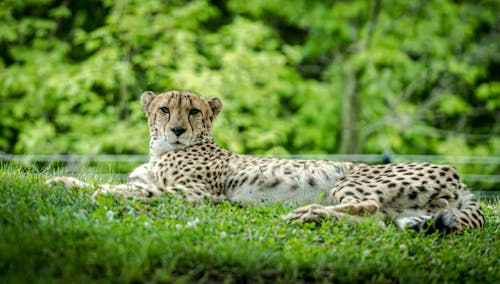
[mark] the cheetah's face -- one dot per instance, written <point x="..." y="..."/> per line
<point x="178" y="119"/>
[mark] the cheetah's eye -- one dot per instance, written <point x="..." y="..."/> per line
<point x="194" y="111"/>
<point x="165" y="110"/>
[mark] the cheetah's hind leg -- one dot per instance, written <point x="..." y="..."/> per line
<point x="316" y="213"/>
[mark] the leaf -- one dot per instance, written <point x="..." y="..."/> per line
<point x="453" y="105"/>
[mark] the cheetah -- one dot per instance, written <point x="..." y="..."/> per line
<point x="186" y="162"/>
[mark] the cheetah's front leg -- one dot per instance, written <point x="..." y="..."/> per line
<point x="316" y="213"/>
<point x="137" y="190"/>
<point x="68" y="182"/>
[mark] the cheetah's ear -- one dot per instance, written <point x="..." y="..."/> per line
<point x="146" y="98"/>
<point x="216" y="106"/>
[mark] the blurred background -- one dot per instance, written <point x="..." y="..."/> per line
<point x="384" y="78"/>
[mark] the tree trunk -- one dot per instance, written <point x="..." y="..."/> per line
<point x="351" y="102"/>
<point x="351" y="108"/>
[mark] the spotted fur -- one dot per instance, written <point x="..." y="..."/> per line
<point x="185" y="162"/>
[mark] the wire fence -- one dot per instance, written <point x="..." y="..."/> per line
<point x="366" y="158"/>
<point x="75" y="163"/>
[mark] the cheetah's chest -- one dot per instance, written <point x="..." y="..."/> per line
<point x="191" y="170"/>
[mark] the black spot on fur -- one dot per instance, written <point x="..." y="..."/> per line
<point x="255" y="178"/>
<point x="481" y="221"/>
<point x="244" y="180"/>
<point x="421" y="188"/>
<point x="434" y="195"/>
<point x="413" y="195"/>
<point x="476" y="218"/>
<point x="274" y="183"/>
<point x="465" y="220"/>
<point x="480" y="214"/>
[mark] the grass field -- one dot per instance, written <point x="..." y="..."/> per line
<point x="54" y="235"/>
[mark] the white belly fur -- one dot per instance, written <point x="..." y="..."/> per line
<point x="255" y="196"/>
<point x="309" y="184"/>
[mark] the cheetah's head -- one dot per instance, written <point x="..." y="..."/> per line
<point x="178" y="119"/>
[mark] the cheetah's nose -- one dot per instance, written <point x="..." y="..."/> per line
<point x="178" y="130"/>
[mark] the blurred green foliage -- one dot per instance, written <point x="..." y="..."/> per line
<point x="296" y="76"/>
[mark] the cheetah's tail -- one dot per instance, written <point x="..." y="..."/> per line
<point x="468" y="212"/>
<point x="465" y="213"/>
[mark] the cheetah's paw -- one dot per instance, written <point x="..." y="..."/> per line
<point x="67" y="182"/>
<point x="310" y="213"/>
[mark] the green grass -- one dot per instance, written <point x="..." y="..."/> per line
<point x="54" y="235"/>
